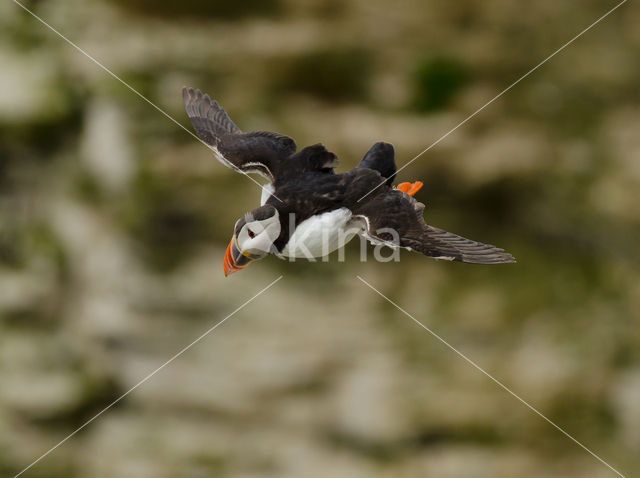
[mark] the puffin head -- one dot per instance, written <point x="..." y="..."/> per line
<point x="253" y="238"/>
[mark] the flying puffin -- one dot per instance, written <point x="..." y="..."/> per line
<point x="307" y="210"/>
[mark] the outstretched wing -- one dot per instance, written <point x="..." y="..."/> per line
<point x="434" y="242"/>
<point x="257" y="152"/>
<point x="395" y="219"/>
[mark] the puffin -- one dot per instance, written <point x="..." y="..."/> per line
<point x="307" y="210"/>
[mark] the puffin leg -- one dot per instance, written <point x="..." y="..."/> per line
<point x="410" y="188"/>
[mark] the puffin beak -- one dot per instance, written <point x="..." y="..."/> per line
<point x="234" y="259"/>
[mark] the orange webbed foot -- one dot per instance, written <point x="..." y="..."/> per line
<point x="410" y="188"/>
<point x="415" y="187"/>
<point x="404" y="187"/>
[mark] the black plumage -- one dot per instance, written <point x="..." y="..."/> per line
<point x="306" y="185"/>
<point x="270" y="154"/>
<point x="381" y="158"/>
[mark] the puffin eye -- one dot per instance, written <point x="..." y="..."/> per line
<point x="251" y="233"/>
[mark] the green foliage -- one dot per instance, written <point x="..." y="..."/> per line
<point x="215" y="9"/>
<point x="20" y="245"/>
<point x="168" y="224"/>
<point x="58" y="121"/>
<point x="436" y="82"/>
<point x="331" y="74"/>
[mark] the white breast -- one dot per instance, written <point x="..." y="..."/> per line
<point x="319" y="235"/>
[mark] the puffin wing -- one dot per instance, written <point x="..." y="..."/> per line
<point x="381" y="158"/>
<point x="395" y="219"/>
<point x="256" y="152"/>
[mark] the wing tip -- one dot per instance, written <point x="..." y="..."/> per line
<point x="497" y="257"/>
<point x="189" y="93"/>
<point x="191" y="96"/>
<point x="190" y="99"/>
<point x="199" y="105"/>
<point x="383" y="147"/>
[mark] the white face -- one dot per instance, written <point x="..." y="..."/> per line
<point x="256" y="237"/>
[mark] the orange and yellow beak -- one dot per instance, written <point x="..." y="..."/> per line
<point x="234" y="259"/>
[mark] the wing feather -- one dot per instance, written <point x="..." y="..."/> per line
<point x="440" y="244"/>
<point x="381" y="158"/>
<point x="393" y="210"/>
<point x="209" y="119"/>
<point x="255" y="152"/>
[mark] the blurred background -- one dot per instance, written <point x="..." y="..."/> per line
<point x="113" y="224"/>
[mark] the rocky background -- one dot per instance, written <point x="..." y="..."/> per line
<point x="113" y="224"/>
